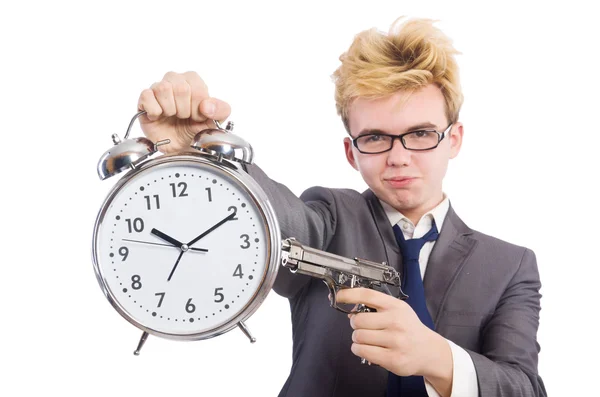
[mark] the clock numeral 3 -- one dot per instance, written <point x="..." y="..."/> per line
<point x="246" y="239"/>
<point x="220" y="295"/>
<point x="181" y="185"/>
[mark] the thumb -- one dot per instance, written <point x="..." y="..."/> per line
<point x="215" y="109"/>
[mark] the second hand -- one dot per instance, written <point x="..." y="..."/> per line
<point x="164" y="245"/>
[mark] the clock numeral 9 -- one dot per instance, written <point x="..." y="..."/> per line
<point x="136" y="282"/>
<point x="124" y="252"/>
<point x="137" y="225"/>
<point x="238" y="271"/>
<point x="162" y="296"/>
<point x="149" y="204"/>
<point x="182" y="185"/>
<point x="246" y="239"/>
<point x="189" y="306"/>
<point x="220" y="295"/>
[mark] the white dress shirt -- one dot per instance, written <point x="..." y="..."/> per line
<point x="464" y="377"/>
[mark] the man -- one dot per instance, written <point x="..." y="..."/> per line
<point x="469" y="325"/>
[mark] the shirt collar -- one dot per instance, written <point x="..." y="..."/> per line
<point x="438" y="214"/>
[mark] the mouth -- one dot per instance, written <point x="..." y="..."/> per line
<point x="400" y="181"/>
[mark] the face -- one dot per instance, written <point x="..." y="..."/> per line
<point x="410" y="181"/>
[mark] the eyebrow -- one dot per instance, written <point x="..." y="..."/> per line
<point x="415" y="127"/>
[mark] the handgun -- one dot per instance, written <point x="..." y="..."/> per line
<point x="338" y="272"/>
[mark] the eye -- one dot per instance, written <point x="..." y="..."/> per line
<point x="422" y="134"/>
<point x="373" y="138"/>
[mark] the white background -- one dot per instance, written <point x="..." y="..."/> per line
<point x="71" y="74"/>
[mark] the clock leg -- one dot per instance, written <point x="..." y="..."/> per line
<point x="141" y="343"/>
<point x="246" y="331"/>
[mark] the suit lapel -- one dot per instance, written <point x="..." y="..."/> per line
<point x="392" y="251"/>
<point x="448" y="257"/>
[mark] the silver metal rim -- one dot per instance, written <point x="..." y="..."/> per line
<point x="269" y="220"/>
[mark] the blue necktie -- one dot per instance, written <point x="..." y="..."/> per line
<point x="412" y="285"/>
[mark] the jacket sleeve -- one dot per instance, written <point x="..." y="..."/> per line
<point x="507" y="364"/>
<point x="310" y="219"/>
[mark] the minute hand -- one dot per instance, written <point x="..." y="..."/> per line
<point x="229" y="217"/>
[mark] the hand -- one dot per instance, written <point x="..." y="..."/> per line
<point x="394" y="337"/>
<point x="177" y="108"/>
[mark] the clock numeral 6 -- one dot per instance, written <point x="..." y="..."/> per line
<point x="137" y="225"/>
<point x="136" y="282"/>
<point x="220" y="295"/>
<point x="189" y="306"/>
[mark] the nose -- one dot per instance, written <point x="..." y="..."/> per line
<point x="398" y="155"/>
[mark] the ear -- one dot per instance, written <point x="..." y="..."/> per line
<point x="350" y="153"/>
<point x="456" y="139"/>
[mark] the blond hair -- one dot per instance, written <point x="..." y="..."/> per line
<point x="410" y="56"/>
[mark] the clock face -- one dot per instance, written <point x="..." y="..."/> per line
<point x="182" y="248"/>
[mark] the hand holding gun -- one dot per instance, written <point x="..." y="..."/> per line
<point x="337" y="271"/>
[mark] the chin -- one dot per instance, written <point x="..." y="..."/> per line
<point x="399" y="200"/>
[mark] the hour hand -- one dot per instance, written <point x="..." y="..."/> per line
<point x="167" y="238"/>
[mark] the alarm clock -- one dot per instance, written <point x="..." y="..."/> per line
<point x="186" y="246"/>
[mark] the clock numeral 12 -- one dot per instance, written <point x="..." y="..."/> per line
<point x="182" y="185"/>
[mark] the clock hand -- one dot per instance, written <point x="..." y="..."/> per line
<point x="167" y="238"/>
<point x="166" y="245"/>
<point x="229" y="217"/>
<point x="175" y="267"/>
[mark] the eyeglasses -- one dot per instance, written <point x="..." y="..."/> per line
<point x="418" y="140"/>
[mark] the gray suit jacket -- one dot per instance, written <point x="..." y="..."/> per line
<point x="482" y="293"/>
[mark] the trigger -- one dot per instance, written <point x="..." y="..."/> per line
<point x="332" y="293"/>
